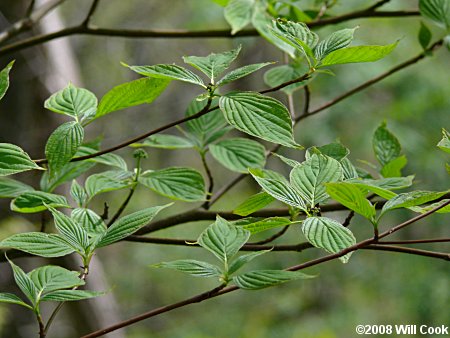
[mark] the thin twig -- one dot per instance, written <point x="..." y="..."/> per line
<point x="91" y="12"/>
<point x="348" y="219"/>
<point x="122" y="206"/>
<point x="273" y="237"/>
<point x="441" y="255"/>
<point x="210" y="180"/>
<point x="417" y="241"/>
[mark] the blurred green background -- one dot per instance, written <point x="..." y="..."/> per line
<point x="373" y="288"/>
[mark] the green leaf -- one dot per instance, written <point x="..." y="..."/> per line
<point x="411" y="199"/>
<point x="14" y="160"/>
<point x="111" y="160"/>
<point x="280" y="74"/>
<point x="426" y="208"/>
<point x="394" y="167"/>
<point x="4" y="79"/>
<point x="259" y="116"/>
<point x="72" y="101"/>
<point x="349" y="169"/>
<point x="78" y="193"/>
<point x="10" y="188"/>
<point x="213" y="65"/>
<point x="357" y="54"/>
<point x="383" y="186"/>
<point x="326" y="233"/>
<point x="266" y="224"/>
<point x="39" y="244"/>
<point x="351" y="197"/>
<point x="239" y="154"/>
<point x="70" y="295"/>
<point x="89" y="221"/>
<point x="107" y="181"/>
<point x="385" y="145"/>
<point x="436" y="10"/>
<point x="444" y="143"/>
<point x="241" y="72"/>
<point x="289" y="161"/>
<point x="25" y="283"/>
<point x="36" y="201"/>
<point x="279" y="188"/>
<point x="260" y="279"/>
<point x="222" y="3"/>
<point x="192" y="267"/>
<point x="178" y="183"/>
<point x="238" y="14"/>
<point x="309" y="177"/>
<point x="253" y="203"/>
<point x="12" y="299"/>
<point x="131" y="94"/>
<point x="165" y="142"/>
<point x="223" y="239"/>
<point x="170" y="72"/>
<point x="129" y="224"/>
<point x="74" y="234"/>
<point x="424" y="35"/>
<point x="63" y="144"/>
<point x="244" y="259"/>
<point x="51" y="278"/>
<point x="334" y="41"/>
<point x="335" y="150"/>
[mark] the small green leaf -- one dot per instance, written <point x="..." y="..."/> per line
<point x="385" y="145"/>
<point x="239" y="154"/>
<point x="213" y="65"/>
<point x="89" y="221"/>
<point x="70" y="295"/>
<point x="444" y="143"/>
<point x="335" y="150"/>
<point x="241" y="72"/>
<point x="222" y="3"/>
<point x="192" y="267"/>
<point x="244" y="259"/>
<point x="72" y="101"/>
<point x="259" y="116"/>
<point x="51" y="278"/>
<point x="238" y="14"/>
<point x="266" y="224"/>
<point x="351" y="197"/>
<point x="63" y="144"/>
<point x="424" y="35"/>
<point x="265" y="278"/>
<point x="349" y="169"/>
<point x="436" y="10"/>
<point x="253" y="203"/>
<point x="129" y="224"/>
<point x="110" y="159"/>
<point x="170" y="72"/>
<point x="39" y="244"/>
<point x="326" y="233"/>
<point x="165" y="142"/>
<point x="4" y="79"/>
<point x="309" y="177"/>
<point x="10" y="188"/>
<point x="178" y="183"/>
<point x="78" y="193"/>
<point x="289" y="161"/>
<point x="36" y="201"/>
<point x="335" y="41"/>
<point x="357" y="54"/>
<point x="223" y="239"/>
<point x="280" y="74"/>
<point x="107" y="181"/>
<point x="12" y="299"/>
<point x="14" y="160"/>
<point x="25" y="283"/>
<point x="131" y="94"/>
<point x="426" y="208"/>
<point x="411" y="199"/>
<point x="394" y="167"/>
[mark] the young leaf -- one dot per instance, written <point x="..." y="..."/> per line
<point x="335" y="150"/>
<point x="10" y="188"/>
<point x="238" y="14"/>
<point x="391" y="183"/>
<point x="74" y="234"/>
<point x="89" y="221"/>
<point x="239" y="154"/>
<point x="129" y="224"/>
<point x="36" y="201"/>
<point x="260" y="116"/>
<point x="51" y="278"/>
<point x="394" y="167"/>
<point x="72" y="101"/>
<point x="357" y="54"/>
<point x="14" y="160"/>
<point x="4" y="79"/>
<point x="164" y="141"/>
<point x="12" y="299"/>
<point x="25" y="283"/>
<point x="411" y="199"/>
<point x="348" y="169"/>
<point x="436" y="10"/>
<point x="192" y="267"/>
<point x="278" y="188"/>
<point x="385" y="145"/>
<point x="424" y="35"/>
<point x="223" y="239"/>
<point x="426" y="208"/>
<point x="244" y="259"/>
<point x="289" y="161"/>
<point x="253" y="203"/>
<point x="280" y="74"/>
<point x="335" y="41"/>
<point x="107" y="181"/>
<point x="326" y="233"/>
<point x="38" y="243"/>
<point x="241" y="72"/>
<point x="444" y="143"/>
<point x="63" y="144"/>
<point x="266" y="224"/>
<point x="131" y="94"/>
<point x="170" y="72"/>
<point x="177" y="183"/>
<point x="309" y="177"/>
<point x="264" y="278"/>
<point x="78" y="193"/>
<point x="214" y="64"/>
<point x="110" y="159"/>
<point x="70" y="295"/>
